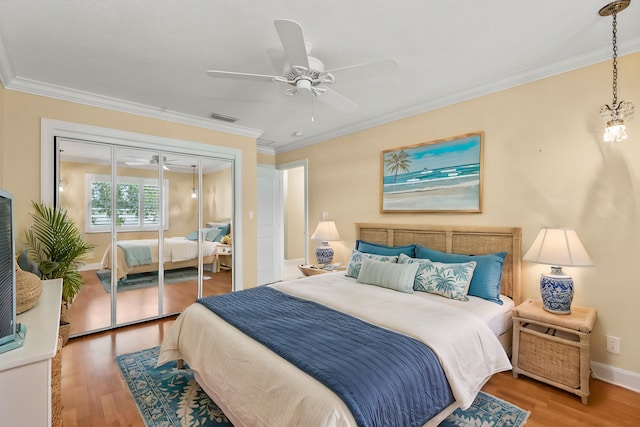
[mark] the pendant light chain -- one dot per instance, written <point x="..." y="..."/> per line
<point x="615" y="60"/>
<point x="614" y="116"/>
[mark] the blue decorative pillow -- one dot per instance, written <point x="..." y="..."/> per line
<point x="450" y="280"/>
<point x="212" y="234"/>
<point x="377" y="249"/>
<point x="225" y="227"/>
<point x="355" y="263"/>
<point x="486" y="277"/>
<point x="209" y="234"/>
<point x="399" y="277"/>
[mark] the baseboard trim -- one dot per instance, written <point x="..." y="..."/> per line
<point x="617" y="376"/>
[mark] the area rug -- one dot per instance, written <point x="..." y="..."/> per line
<point x="167" y="396"/>
<point x="145" y="280"/>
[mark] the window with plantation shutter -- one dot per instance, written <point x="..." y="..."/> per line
<point x="137" y="204"/>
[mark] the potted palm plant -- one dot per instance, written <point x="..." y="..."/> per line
<point x="58" y="248"/>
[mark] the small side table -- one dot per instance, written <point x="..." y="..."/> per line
<point x="223" y="251"/>
<point x="553" y="348"/>
<point x="312" y="270"/>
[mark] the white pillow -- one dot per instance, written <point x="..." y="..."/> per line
<point x="399" y="277"/>
<point x="449" y="280"/>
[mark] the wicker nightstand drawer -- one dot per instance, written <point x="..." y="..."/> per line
<point x="553" y="360"/>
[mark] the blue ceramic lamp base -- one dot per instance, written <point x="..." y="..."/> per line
<point x="324" y="253"/>
<point x="556" y="289"/>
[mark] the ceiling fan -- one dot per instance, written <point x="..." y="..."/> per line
<point x="306" y="74"/>
<point x="153" y="161"/>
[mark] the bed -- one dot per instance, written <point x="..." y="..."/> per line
<point x="179" y="252"/>
<point x="255" y="386"/>
<point x="141" y="256"/>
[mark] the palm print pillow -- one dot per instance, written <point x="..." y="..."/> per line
<point x="449" y="280"/>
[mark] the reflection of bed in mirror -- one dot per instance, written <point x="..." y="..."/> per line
<point x="257" y="381"/>
<point x="141" y="256"/>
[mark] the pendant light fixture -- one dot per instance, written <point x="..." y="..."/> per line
<point x="194" y="195"/>
<point x="614" y="115"/>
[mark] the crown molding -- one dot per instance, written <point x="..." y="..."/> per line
<point x="72" y="95"/>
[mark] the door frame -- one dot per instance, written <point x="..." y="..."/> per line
<point x="304" y="163"/>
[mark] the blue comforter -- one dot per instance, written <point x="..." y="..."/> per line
<point x="135" y="253"/>
<point x="384" y="378"/>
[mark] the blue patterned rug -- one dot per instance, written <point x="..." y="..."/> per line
<point x="167" y="397"/>
<point x="145" y="280"/>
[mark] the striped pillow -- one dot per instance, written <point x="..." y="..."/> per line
<point x="353" y="269"/>
<point x="399" y="277"/>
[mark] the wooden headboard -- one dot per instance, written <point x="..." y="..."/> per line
<point x="470" y="240"/>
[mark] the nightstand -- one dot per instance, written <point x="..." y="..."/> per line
<point x="312" y="270"/>
<point x="553" y="348"/>
<point x="224" y="251"/>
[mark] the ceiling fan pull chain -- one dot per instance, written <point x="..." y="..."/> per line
<point x="313" y="119"/>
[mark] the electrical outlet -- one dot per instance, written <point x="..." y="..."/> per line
<point x="613" y="344"/>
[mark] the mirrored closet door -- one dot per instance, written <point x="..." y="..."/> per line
<point x="168" y="216"/>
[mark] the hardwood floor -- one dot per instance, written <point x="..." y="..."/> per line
<point x="93" y="393"/>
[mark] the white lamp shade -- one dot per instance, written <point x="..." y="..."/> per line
<point x="326" y="232"/>
<point x="558" y="247"/>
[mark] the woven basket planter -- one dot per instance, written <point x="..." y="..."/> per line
<point x="65" y="330"/>
<point x="56" y="386"/>
<point x="28" y="290"/>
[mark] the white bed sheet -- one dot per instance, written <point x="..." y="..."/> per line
<point x="496" y="316"/>
<point x="253" y="386"/>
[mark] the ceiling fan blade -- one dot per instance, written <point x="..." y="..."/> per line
<point x="292" y="39"/>
<point x="136" y="163"/>
<point x="367" y="70"/>
<point x="240" y="76"/>
<point x="337" y="101"/>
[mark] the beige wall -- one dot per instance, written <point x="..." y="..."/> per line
<point x="217" y="187"/>
<point x="20" y="116"/>
<point x="544" y="165"/>
<point x="266" y="159"/>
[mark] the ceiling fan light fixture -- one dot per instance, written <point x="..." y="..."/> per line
<point x="614" y="115"/>
<point x="303" y="85"/>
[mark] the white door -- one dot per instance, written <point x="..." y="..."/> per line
<point x="269" y="225"/>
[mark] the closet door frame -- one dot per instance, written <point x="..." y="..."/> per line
<point x="50" y="129"/>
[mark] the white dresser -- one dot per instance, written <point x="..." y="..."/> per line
<point x="25" y="372"/>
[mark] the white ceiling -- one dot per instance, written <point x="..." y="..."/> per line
<point x="150" y="56"/>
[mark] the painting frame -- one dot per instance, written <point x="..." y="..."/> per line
<point x="440" y="176"/>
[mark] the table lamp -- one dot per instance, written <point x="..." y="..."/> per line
<point x="557" y="247"/>
<point x="325" y="232"/>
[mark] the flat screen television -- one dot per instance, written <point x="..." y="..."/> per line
<point x="11" y="333"/>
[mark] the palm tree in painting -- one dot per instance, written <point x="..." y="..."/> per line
<point x="397" y="161"/>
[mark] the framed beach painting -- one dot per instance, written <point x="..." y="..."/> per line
<point x="437" y="176"/>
